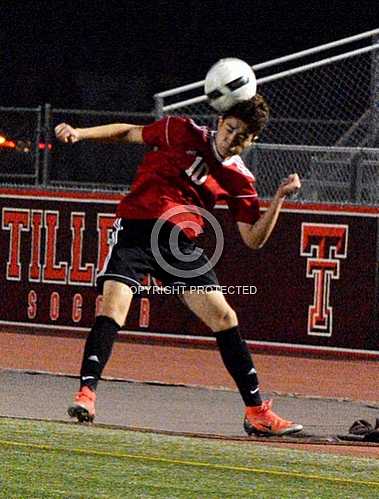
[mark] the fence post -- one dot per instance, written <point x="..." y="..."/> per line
<point x="158" y="106"/>
<point x="37" y="151"/>
<point x="374" y="135"/>
<point x="47" y="141"/>
<point x="356" y="177"/>
<point x="373" y="342"/>
<point x="374" y="142"/>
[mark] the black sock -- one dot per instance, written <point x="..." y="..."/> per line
<point x="97" y="350"/>
<point x="237" y="360"/>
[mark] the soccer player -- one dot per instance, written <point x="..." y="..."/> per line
<point x="187" y="166"/>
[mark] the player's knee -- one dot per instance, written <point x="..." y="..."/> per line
<point x="116" y="302"/>
<point x="225" y="320"/>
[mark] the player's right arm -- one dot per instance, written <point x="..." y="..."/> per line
<point x="114" y="132"/>
<point x="168" y="131"/>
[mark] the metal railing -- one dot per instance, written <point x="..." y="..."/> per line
<point x="329" y="174"/>
<point x="324" y="124"/>
<point x="21" y="145"/>
<point x="327" y="102"/>
<point x="163" y="107"/>
<point x="39" y="160"/>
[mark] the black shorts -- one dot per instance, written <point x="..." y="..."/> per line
<point x="181" y="265"/>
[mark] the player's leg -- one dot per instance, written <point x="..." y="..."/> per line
<point x="128" y="261"/>
<point x="125" y="264"/>
<point x="117" y="297"/>
<point x="213" y="309"/>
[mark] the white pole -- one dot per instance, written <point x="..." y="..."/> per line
<point x="280" y="60"/>
<point x="317" y="64"/>
<point x="282" y="74"/>
<point x="303" y="148"/>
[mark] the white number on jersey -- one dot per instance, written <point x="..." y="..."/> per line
<point x="198" y="171"/>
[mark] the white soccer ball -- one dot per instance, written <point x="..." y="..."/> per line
<point x="228" y="82"/>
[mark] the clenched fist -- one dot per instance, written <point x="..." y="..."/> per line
<point x="289" y="185"/>
<point x="66" y="133"/>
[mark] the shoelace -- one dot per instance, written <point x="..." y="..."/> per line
<point x="266" y="410"/>
<point x="266" y="406"/>
<point x="81" y="396"/>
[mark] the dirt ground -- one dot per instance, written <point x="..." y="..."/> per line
<point x="190" y="389"/>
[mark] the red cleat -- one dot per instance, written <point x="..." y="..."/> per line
<point x="261" y="420"/>
<point x="83" y="407"/>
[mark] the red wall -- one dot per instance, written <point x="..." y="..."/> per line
<point x="316" y="278"/>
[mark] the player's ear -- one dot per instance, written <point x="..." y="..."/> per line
<point x="250" y="141"/>
<point x="219" y="122"/>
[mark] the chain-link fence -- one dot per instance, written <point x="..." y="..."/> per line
<point x="332" y="102"/>
<point x="326" y="105"/>
<point x="89" y="164"/>
<point x="31" y="156"/>
<point x="20" y="145"/>
<point x="324" y="125"/>
<point x="329" y="174"/>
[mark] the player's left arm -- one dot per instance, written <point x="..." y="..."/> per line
<point x="255" y="235"/>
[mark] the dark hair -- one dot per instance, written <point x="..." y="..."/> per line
<point x="254" y="112"/>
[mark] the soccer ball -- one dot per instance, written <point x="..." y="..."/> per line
<point x="229" y="81"/>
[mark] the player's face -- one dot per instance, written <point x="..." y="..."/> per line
<point x="232" y="136"/>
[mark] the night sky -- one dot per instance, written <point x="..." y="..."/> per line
<point x="115" y="55"/>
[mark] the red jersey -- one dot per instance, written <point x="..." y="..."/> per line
<point x="184" y="168"/>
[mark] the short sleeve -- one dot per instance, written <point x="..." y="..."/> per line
<point x="168" y="132"/>
<point x="242" y="197"/>
<point x="244" y="208"/>
<point x="154" y="134"/>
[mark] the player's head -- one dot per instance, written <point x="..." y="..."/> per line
<point x="241" y="125"/>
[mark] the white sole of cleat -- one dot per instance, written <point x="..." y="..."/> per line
<point x="250" y="430"/>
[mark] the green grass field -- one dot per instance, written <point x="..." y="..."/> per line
<point x="46" y="459"/>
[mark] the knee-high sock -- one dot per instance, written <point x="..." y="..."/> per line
<point x="237" y="360"/>
<point x="97" y="350"/>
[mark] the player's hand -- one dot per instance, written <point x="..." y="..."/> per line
<point x="289" y="185"/>
<point x="66" y="133"/>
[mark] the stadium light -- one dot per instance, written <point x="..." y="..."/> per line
<point x="6" y="144"/>
<point x="22" y="146"/>
<point x="43" y="146"/>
